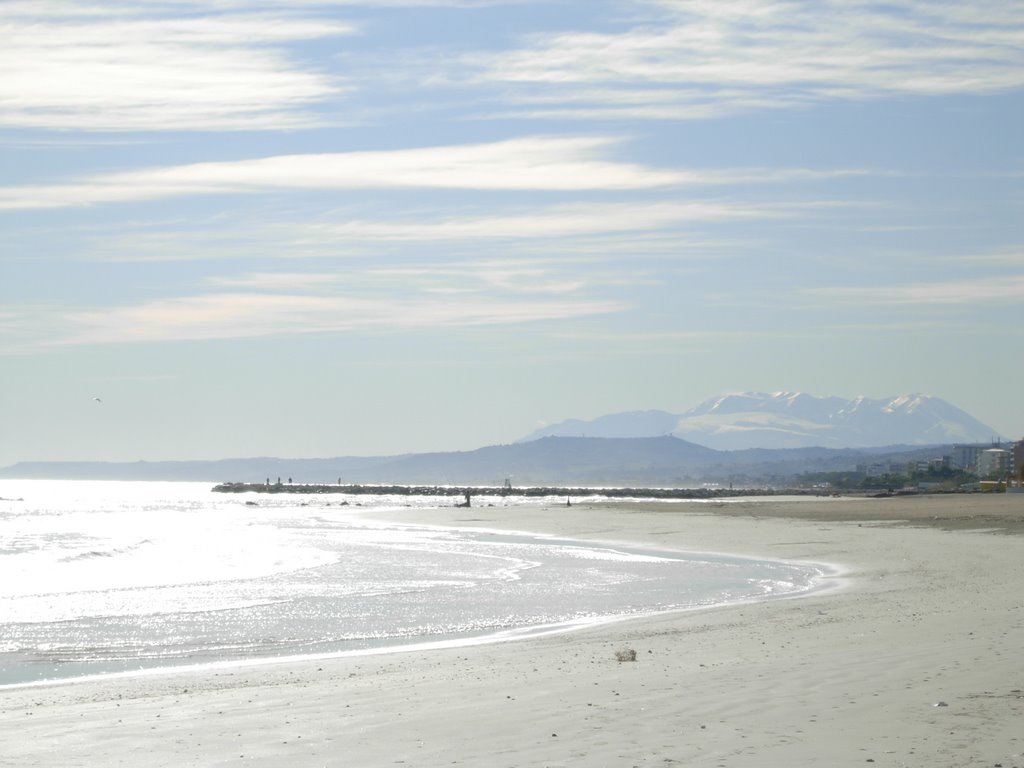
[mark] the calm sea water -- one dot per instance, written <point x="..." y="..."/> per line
<point x="100" y="577"/>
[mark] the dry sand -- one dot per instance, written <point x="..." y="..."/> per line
<point x="917" y="660"/>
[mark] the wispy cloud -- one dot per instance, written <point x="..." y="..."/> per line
<point x="1011" y="256"/>
<point x="553" y="222"/>
<point x="492" y="277"/>
<point x="312" y="240"/>
<point x="535" y="163"/>
<point x="238" y="64"/>
<point x="558" y="164"/>
<point x="111" y="67"/>
<point x="706" y="58"/>
<point x="676" y="229"/>
<point x="247" y="315"/>
<point x="367" y="300"/>
<point x="989" y="290"/>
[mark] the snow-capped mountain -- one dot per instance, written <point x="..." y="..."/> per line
<point x="792" y="420"/>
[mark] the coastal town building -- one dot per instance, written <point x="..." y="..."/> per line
<point x="879" y="468"/>
<point x="1017" y="465"/>
<point x="966" y="456"/>
<point x="925" y="466"/>
<point x="993" y="463"/>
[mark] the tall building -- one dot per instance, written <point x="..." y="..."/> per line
<point x="993" y="463"/>
<point x="1017" y="464"/>
<point x="966" y="456"/>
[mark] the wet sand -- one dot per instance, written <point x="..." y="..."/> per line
<point x="916" y="658"/>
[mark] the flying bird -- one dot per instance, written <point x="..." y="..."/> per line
<point x="97" y="400"/>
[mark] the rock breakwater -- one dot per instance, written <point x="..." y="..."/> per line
<point x="532" y="491"/>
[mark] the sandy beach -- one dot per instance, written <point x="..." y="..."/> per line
<point x="914" y="658"/>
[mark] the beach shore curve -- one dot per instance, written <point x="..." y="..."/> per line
<point x="915" y="661"/>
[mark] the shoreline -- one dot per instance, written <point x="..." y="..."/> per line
<point x="916" y="662"/>
<point x="815" y="578"/>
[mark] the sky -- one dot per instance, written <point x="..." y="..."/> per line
<point x="319" y="228"/>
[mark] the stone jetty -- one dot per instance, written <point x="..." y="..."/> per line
<point x="531" y="491"/>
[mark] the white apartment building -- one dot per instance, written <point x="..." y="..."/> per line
<point x="966" y="456"/>
<point x="993" y="463"/>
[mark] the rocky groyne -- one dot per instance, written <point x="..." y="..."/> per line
<point x="532" y="491"/>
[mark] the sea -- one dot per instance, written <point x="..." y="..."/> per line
<point x="100" y="578"/>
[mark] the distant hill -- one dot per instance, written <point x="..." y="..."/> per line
<point x="648" y="461"/>
<point x="550" y="460"/>
<point x="561" y="460"/>
<point x="792" y="420"/>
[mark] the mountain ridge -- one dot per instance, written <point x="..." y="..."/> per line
<point x="740" y="420"/>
